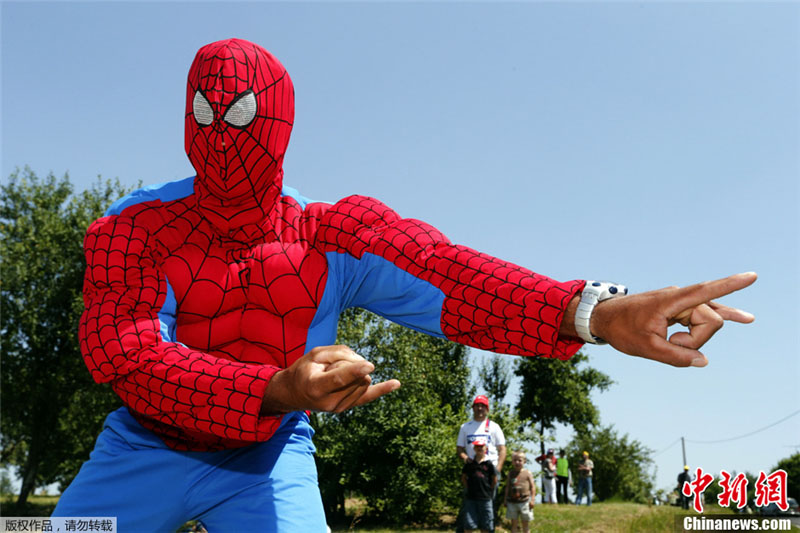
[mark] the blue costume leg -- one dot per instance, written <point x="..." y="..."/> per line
<point x="131" y="475"/>
<point x="270" y="487"/>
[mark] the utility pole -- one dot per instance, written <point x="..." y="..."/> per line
<point x="683" y="447"/>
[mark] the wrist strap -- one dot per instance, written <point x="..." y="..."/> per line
<point x="593" y="293"/>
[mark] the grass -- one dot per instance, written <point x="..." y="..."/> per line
<point x="616" y="517"/>
<point x="35" y="506"/>
<point x="612" y="517"/>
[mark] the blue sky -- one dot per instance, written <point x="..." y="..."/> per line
<point x="650" y="144"/>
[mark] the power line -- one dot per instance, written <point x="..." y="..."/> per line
<point x="746" y="434"/>
<point x="676" y="441"/>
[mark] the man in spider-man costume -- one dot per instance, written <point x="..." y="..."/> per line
<point x="212" y="303"/>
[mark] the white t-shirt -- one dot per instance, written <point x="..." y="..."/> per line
<point x="487" y="429"/>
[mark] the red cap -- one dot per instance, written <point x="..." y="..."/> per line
<point x="481" y="399"/>
<point x="480" y="441"/>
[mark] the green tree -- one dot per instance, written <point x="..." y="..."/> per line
<point x="791" y="465"/>
<point x="399" y="451"/>
<point x="495" y="377"/>
<point x="621" y="465"/>
<point x="559" y="391"/>
<point x="5" y="483"/>
<point x="51" y="408"/>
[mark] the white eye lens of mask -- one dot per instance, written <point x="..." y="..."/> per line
<point x="203" y="114"/>
<point x="242" y="111"/>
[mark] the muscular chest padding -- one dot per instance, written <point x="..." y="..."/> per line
<point x="252" y="302"/>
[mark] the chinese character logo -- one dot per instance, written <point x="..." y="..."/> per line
<point x="697" y="487"/>
<point x="733" y="490"/>
<point x="772" y="489"/>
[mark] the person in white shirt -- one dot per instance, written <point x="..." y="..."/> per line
<point x="480" y="427"/>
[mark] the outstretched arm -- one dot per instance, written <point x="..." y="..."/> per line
<point x="409" y="272"/>
<point x="637" y="324"/>
<point x="484" y="302"/>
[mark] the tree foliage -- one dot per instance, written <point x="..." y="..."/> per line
<point x="791" y="465"/>
<point x="51" y="408"/>
<point x="559" y="391"/>
<point x="399" y="451"/>
<point x="553" y="391"/>
<point x="621" y="465"/>
<point x="495" y="377"/>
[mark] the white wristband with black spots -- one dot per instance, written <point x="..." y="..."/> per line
<point x="593" y="293"/>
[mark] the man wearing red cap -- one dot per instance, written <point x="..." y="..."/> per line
<point x="482" y="429"/>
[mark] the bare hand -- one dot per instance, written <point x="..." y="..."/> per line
<point x="637" y="324"/>
<point x="328" y="378"/>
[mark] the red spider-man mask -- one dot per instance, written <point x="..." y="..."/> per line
<point x="239" y="115"/>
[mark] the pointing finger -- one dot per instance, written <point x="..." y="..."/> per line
<point x="700" y="293"/>
<point x="731" y="313"/>
<point x="376" y="391"/>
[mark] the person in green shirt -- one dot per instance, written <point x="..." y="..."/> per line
<point x="562" y="478"/>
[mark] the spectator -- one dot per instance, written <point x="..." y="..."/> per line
<point x="480" y="427"/>
<point x="548" y="462"/>
<point x="520" y="493"/>
<point x="562" y="478"/>
<point x="684" y="477"/>
<point x="479" y="478"/>
<point x="585" y="467"/>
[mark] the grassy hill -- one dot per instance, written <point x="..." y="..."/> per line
<point x="610" y="517"/>
<point x="599" y="518"/>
